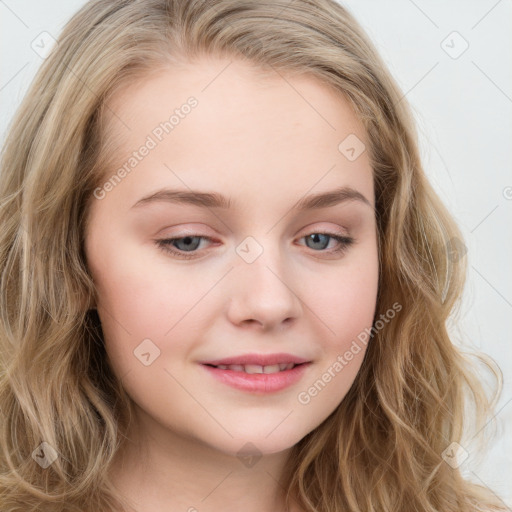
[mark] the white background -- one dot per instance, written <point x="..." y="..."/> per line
<point x="463" y="109"/>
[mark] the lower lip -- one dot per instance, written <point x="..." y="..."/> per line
<point x="259" y="382"/>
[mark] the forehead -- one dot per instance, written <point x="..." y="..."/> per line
<point x="231" y="93"/>
<point x="253" y="127"/>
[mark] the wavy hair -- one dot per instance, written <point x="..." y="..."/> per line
<point x="382" y="448"/>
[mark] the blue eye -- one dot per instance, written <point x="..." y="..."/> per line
<point x="320" y="238"/>
<point x="190" y="243"/>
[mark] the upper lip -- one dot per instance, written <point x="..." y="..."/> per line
<point x="258" y="359"/>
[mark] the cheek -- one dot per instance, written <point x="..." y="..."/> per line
<point x="346" y="302"/>
<point x="139" y="292"/>
<point x="347" y="308"/>
<point x="139" y="300"/>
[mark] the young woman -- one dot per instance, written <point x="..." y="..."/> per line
<point x="225" y="279"/>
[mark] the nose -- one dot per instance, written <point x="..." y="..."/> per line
<point x="264" y="293"/>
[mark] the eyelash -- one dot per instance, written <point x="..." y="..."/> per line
<point x="165" y="244"/>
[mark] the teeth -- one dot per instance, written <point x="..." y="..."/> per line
<point x="256" y="368"/>
<point x="253" y="368"/>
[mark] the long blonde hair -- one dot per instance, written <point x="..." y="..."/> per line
<point x="382" y="448"/>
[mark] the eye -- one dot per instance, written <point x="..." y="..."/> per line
<point x="186" y="247"/>
<point x="320" y="240"/>
<point x="189" y="244"/>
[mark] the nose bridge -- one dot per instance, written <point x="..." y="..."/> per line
<point x="263" y="285"/>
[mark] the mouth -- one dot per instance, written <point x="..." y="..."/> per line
<point x="256" y="368"/>
<point x="257" y="379"/>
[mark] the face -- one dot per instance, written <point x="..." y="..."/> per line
<point x="184" y="280"/>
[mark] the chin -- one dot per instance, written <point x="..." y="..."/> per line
<point x="258" y="445"/>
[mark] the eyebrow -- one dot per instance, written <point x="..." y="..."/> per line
<point x="216" y="200"/>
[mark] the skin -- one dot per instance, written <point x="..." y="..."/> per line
<point x="265" y="145"/>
